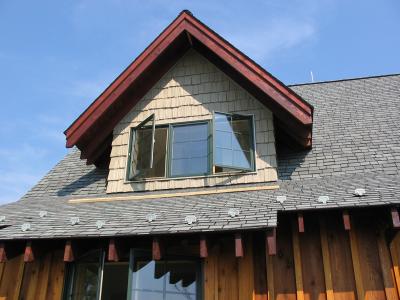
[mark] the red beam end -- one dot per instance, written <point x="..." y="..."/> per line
<point x="395" y="217"/>
<point x="238" y="245"/>
<point x="346" y="220"/>
<point x="112" y="251"/>
<point x="271" y="241"/>
<point x="28" y="255"/>
<point x="68" y="252"/>
<point x="203" y="247"/>
<point x="300" y="221"/>
<point x="3" y="255"/>
<point x="156" y="249"/>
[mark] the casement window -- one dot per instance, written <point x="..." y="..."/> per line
<point x="91" y="277"/>
<point x="223" y="144"/>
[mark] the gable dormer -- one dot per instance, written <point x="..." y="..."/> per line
<point x="190" y="111"/>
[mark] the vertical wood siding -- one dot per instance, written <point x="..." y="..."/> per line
<point x="324" y="262"/>
<point x="191" y="91"/>
<point x="41" y="279"/>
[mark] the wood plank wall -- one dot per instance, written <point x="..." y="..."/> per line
<point x="326" y="262"/>
<point x="41" y="279"/>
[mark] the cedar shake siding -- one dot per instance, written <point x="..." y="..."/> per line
<point x="190" y="91"/>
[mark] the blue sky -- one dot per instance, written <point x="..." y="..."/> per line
<point x="56" y="57"/>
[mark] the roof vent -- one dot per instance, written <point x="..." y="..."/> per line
<point x="233" y="212"/>
<point x="281" y="199"/>
<point x="26" y="227"/>
<point x="2" y="218"/>
<point x="151" y="217"/>
<point x="74" y="220"/>
<point x="190" y="219"/>
<point x="359" y="192"/>
<point x="42" y="213"/>
<point x="323" y="199"/>
<point x="100" y="224"/>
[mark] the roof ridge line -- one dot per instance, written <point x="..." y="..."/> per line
<point x="345" y="79"/>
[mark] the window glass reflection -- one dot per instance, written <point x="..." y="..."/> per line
<point x="189" y="153"/>
<point x="233" y="142"/>
<point x="164" y="280"/>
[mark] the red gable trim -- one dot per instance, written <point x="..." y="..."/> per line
<point x="299" y="111"/>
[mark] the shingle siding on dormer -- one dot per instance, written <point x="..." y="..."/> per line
<point x="191" y="91"/>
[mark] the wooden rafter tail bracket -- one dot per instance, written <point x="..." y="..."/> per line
<point x="157" y="249"/>
<point x="346" y="220"/>
<point x="3" y="255"/>
<point x="113" y="251"/>
<point x="239" y="245"/>
<point x="28" y="254"/>
<point x="395" y="217"/>
<point x="203" y="246"/>
<point x="69" y="255"/>
<point x="300" y="222"/>
<point x="271" y="241"/>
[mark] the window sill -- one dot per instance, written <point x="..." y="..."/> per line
<point x="230" y="174"/>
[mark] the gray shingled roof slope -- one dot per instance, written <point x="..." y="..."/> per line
<point x="356" y="144"/>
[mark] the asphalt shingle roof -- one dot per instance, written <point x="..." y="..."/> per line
<point x="356" y="144"/>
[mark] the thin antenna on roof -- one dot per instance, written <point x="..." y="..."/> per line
<point x="312" y="76"/>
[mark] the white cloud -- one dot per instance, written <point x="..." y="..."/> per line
<point x="264" y="41"/>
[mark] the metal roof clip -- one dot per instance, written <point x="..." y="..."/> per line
<point x="74" y="220"/>
<point x="190" y="219"/>
<point x="281" y="199"/>
<point x="100" y="224"/>
<point x="151" y="217"/>
<point x="323" y="199"/>
<point x="233" y="212"/>
<point x="359" y="192"/>
<point x="25" y="227"/>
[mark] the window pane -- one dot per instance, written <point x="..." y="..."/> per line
<point x="224" y="139"/>
<point x="180" y="297"/>
<point x="189" y="166"/>
<point x="181" y="277"/>
<point x="224" y="157"/>
<point x="115" y="281"/>
<point x="164" y="280"/>
<point x="141" y="153"/>
<point x="146" y="295"/>
<point x="145" y="277"/>
<point x="241" y="142"/>
<point x="233" y="145"/>
<point x="189" y="150"/>
<point x="86" y="281"/>
<point x="222" y="122"/>
<point x="86" y="277"/>
<point x="185" y="133"/>
<point x="242" y="159"/>
<point x="241" y="124"/>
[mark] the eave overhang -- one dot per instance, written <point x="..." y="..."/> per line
<point x="91" y="132"/>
